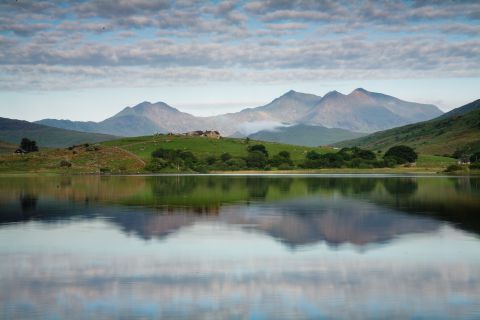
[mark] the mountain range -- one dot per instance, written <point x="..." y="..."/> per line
<point x="359" y="111"/>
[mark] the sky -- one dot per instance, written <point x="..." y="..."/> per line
<point x="88" y="59"/>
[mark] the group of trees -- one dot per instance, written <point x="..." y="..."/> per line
<point x="258" y="158"/>
<point x="359" y="158"/>
<point x="28" y="145"/>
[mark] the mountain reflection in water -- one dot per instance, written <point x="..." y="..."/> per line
<point x="239" y="247"/>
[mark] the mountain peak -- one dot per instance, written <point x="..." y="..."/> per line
<point x="333" y="94"/>
<point x="360" y="90"/>
<point x="289" y="93"/>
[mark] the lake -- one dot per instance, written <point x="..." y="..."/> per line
<point x="240" y="247"/>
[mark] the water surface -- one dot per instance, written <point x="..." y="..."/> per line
<point x="254" y="247"/>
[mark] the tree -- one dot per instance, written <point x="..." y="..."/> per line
<point x="475" y="157"/>
<point x="284" y="154"/>
<point x="260" y="148"/>
<point x="225" y="157"/>
<point x="282" y="159"/>
<point x="313" y="155"/>
<point x="256" y="159"/>
<point x="402" y="154"/>
<point x="28" y="145"/>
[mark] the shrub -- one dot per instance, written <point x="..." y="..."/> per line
<point x="390" y="161"/>
<point x="156" y="165"/>
<point x="167" y="154"/>
<point x="236" y="164"/>
<point x="256" y="159"/>
<point x="475" y="157"/>
<point x="65" y="164"/>
<point x="475" y="165"/>
<point x="454" y="167"/>
<point x="282" y="158"/>
<point x="285" y="166"/>
<point x="284" y="154"/>
<point x="225" y="157"/>
<point x="402" y="154"/>
<point x="105" y="170"/>
<point x="258" y="147"/>
<point x="313" y="155"/>
<point x="211" y="160"/>
<point x="355" y="152"/>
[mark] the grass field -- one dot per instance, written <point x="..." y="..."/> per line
<point x="129" y="155"/>
<point x="81" y="160"/>
<point x="203" y="147"/>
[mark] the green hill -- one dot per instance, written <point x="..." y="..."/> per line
<point x="306" y="135"/>
<point x="203" y="147"/>
<point x="12" y="131"/>
<point x="130" y="155"/>
<point x="458" y="129"/>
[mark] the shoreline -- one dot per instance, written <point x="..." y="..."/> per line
<point x="316" y="172"/>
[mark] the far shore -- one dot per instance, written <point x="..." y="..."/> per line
<point x="346" y="171"/>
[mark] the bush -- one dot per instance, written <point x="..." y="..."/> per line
<point x="259" y="148"/>
<point x="236" y="164"/>
<point x="355" y="152"/>
<point x="390" y="162"/>
<point x="284" y="154"/>
<point x="402" y="154"/>
<point x="285" y="166"/>
<point x="454" y="167"/>
<point x="211" y="160"/>
<point x="105" y="170"/>
<point x="167" y="154"/>
<point x="225" y="157"/>
<point x="313" y="155"/>
<point x="282" y="158"/>
<point x="256" y="159"/>
<point x="156" y="165"/>
<point x="65" y="164"/>
<point x="475" y="165"/>
<point x="475" y="157"/>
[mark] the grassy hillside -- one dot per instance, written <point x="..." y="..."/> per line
<point x="459" y="129"/>
<point x="306" y="135"/>
<point x="204" y="147"/>
<point x="6" y="148"/>
<point x="12" y="131"/>
<point x="82" y="159"/>
<point x="129" y="155"/>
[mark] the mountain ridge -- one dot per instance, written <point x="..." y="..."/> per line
<point x="13" y="130"/>
<point x="360" y="111"/>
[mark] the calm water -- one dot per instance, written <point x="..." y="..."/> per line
<point x="208" y="247"/>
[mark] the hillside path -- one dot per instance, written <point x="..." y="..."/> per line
<point x="131" y="154"/>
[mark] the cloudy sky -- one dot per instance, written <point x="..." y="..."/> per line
<point x="86" y="60"/>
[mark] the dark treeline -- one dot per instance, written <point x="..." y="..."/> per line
<point x="258" y="158"/>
